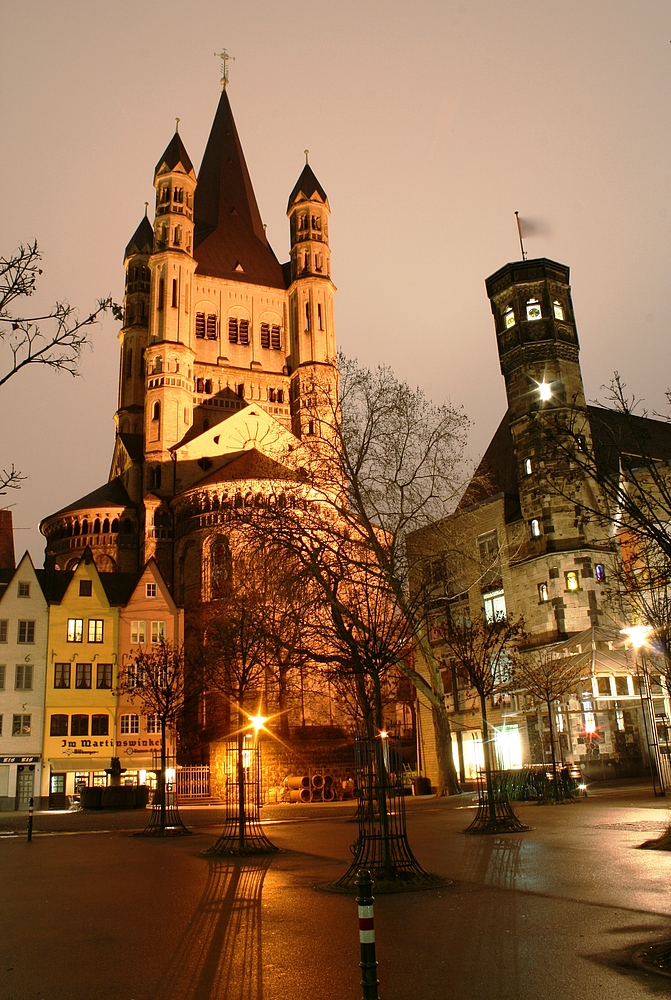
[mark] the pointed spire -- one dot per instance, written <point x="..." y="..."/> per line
<point x="229" y="230"/>
<point x="142" y="240"/>
<point x="175" y="153"/>
<point x="307" y="185"/>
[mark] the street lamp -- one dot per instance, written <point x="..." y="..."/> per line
<point x="637" y="637"/>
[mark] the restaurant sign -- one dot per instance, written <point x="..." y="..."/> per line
<point x="20" y="760"/>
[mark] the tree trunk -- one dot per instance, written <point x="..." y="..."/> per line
<point x="552" y="751"/>
<point x="487" y="753"/>
<point x="448" y="783"/>
<point x="242" y="818"/>
<point x="164" y="755"/>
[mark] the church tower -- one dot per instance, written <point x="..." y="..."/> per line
<point x="539" y="355"/>
<point x="311" y="291"/>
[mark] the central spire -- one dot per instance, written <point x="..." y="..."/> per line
<point x="230" y="240"/>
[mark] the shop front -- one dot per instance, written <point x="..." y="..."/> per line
<point x="19" y="781"/>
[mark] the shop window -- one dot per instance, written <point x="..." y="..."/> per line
<point x="23" y="677"/>
<point x="95" y="633"/>
<point x="104" y="676"/>
<point x="62" y="675"/>
<point x="26" y="632"/>
<point x="58" y="725"/>
<point x="83" y="676"/>
<point x="100" y="725"/>
<point x="79" y="725"/>
<point x="75" y="630"/>
<point x="572" y="580"/>
<point x="494" y="604"/>
<point x="86" y="586"/>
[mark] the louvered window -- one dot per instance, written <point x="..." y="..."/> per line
<point x="275" y="338"/>
<point x="232" y="330"/>
<point x="265" y="335"/>
<point x="200" y="325"/>
<point x="244" y="331"/>
<point x="211" y="326"/>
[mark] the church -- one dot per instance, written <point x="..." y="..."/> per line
<point x="219" y="347"/>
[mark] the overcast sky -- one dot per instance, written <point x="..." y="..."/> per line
<point x="428" y="124"/>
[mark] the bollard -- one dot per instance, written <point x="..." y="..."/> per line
<point x="368" y="963"/>
<point x="30" y="819"/>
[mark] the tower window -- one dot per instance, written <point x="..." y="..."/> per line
<point x="316" y="222"/>
<point x="302" y="222"/>
<point x="200" y="325"/>
<point x="535" y="527"/>
<point x="232" y="330"/>
<point x="174" y="292"/>
<point x="527" y="466"/>
<point x="208" y="386"/>
<point x="534" y="310"/>
<point x="543" y="593"/>
<point x="558" y="309"/>
<point x="177" y="236"/>
<point x="129" y="362"/>
<point x="307" y="317"/>
<point x="158" y="364"/>
<point x="265" y="335"/>
<point x="244" y="331"/>
<point x="509" y="318"/>
<point x="275" y="339"/>
<point x="280" y="395"/>
<point x="581" y="442"/>
<point x="319" y="262"/>
<point x="572" y="581"/>
<point x="165" y="193"/>
<point x="200" y="385"/>
<point x="178" y="195"/>
<point x="156" y="411"/>
<point x="320" y="322"/>
<point x="306" y="262"/>
<point x="272" y="396"/>
<point x="600" y="572"/>
<point x="161" y="293"/>
<point x="211" y="326"/>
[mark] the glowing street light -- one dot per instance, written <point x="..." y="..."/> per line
<point x="383" y="734"/>
<point x="257" y="721"/>
<point x="545" y="391"/>
<point x="637" y="635"/>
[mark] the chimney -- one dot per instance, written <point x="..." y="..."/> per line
<point x="7" y="560"/>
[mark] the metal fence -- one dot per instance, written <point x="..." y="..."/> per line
<point x="193" y="782"/>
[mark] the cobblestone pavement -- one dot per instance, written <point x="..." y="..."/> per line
<point x="557" y="910"/>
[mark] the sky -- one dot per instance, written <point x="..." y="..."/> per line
<point x="429" y="124"/>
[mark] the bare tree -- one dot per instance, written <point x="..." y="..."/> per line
<point x="54" y="339"/>
<point x="482" y="652"/>
<point x="155" y="677"/>
<point x="547" y="678"/>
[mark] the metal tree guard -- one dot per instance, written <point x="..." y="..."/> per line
<point x="496" y="816"/>
<point x="382" y="845"/>
<point x="164" y="820"/>
<point x="242" y="834"/>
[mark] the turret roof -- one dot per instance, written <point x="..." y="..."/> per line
<point x="142" y="240"/>
<point x="111" y="494"/>
<point x="230" y="241"/>
<point x="307" y="185"/>
<point x="175" y="153"/>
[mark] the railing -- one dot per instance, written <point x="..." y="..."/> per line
<point x="193" y="782"/>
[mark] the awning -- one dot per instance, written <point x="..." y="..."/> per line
<point x="78" y="763"/>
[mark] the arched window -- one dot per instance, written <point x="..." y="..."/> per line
<point x="127" y="526"/>
<point x="307" y="317"/>
<point x="115" y="525"/>
<point x="156" y="411"/>
<point x="85" y="527"/>
<point x="129" y="362"/>
<point x="96" y="526"/>
<point x="220" y="567"/>
<point x="106" y="526"/>
<point x="158" y="364"/>
<point x="174" y="285"/>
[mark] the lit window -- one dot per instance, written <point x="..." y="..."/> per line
<point x="130" y="724"/>
<point x="494" y="605"/>
<point x="85" y="588"/>
<point x="104" y="676"/>
<point x="23" y="679"/>
<point x="590" y="723"/>
<point x="527" y="466"/>
<point x="26" y="632"/>
<point x="558" y="309"/>
<point x="600" y="573"/>
<point x="21" y="725"/>
<point x="75" y="629"/>
<point x="534" y="310"/>
<point x="535" y="528"/>
<point x="62" y="675"/>
<point x="95" y="630"/>
<point x="572" y="580"/>
<point x="543" y="593"/>
<point x="509" y="318"/>
<point x="138" y="633"/>
<point x="150" y="590"/>
<point x="157" y="631"/>
<point x="83" y="676"/>
<point x="581" y="442"/>
<point x="24" y="590"/>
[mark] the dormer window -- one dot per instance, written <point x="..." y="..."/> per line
<point x="558" y="309"/>
<point x="534" y="310"/>
<point x="509" y="318"/>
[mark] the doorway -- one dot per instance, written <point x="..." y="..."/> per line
<point x="57" y="798"/>
<point x="25" y="785"/>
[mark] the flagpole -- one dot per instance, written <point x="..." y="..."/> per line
<point x="519" y="233"/>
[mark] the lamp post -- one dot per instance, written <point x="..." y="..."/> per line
<point x="637" y="637"/>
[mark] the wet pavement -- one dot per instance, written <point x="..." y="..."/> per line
<point x="557" y="910"/>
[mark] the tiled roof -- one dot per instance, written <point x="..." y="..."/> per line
<point x="111" y="494"/>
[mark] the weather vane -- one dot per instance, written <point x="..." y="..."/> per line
<point x="225" y="57"/>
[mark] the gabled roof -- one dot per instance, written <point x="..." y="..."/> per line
<point x="175" y="153"/>
<point x="230" y="241"/>
<point x="142" y="240"/>
<point x="112" y="494"/>
<point x="307" y="185"/>
<point x="251" y="464"/>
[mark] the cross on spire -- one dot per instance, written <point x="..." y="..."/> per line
<point x="225" y="58"/>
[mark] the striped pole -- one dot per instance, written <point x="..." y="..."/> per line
<point x="30" y="819"/>
<point x="368" y="963"/>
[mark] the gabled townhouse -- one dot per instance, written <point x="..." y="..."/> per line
<point x="23" y="651"/>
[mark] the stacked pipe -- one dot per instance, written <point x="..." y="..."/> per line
<point x="299" y="788"/>
<point x="317" y="788"/>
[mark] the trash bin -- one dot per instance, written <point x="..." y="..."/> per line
<point x="421" y="786"/>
